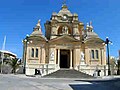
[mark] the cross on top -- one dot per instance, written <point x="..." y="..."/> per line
<point x="64" y="1"/>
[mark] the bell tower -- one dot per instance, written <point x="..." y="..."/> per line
<point x="63" y="23"/>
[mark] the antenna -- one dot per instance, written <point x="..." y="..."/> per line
<point x="3" y="47"/>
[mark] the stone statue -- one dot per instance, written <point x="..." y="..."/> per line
<point x="65" y="30"/>
<point x="52" y="55"/>
<point x="82" y="56"/>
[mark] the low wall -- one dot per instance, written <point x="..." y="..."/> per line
<point x="93" y="70"/>
<point x="40" y="69"/>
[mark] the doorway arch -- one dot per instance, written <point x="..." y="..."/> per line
<point x="64" y="58"/>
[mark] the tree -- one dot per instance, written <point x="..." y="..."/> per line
<point x="6" y="58"/>
<point x="113" y="65"/>
<point x="14" y="63"/>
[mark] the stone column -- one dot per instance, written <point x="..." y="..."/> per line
<point x="40" y="54"/>
<point x="71" y="59"/>
<point x="55" y="56"/>
<point x="58" y="57"/>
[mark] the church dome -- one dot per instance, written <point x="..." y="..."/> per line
<point x="37" y="31"/>
<point x="92" y="35"/>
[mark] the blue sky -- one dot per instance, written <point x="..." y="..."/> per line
<point x="18" y="17"/>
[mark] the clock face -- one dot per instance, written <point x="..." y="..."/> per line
<point x="64" y="17"/>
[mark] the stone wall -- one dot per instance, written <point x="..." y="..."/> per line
<point x="93" y="70"/>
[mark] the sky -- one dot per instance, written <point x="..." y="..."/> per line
<point x="18" y="17"/>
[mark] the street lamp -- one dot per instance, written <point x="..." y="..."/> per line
<point x="25" y="41"/>
<point x="107" y="42"/>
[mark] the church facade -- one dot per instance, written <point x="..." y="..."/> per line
<point x="67" y="43"/>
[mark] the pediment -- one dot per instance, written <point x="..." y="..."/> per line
<point x="64" y="39"/>
<point x="38" y="38"/>
<point x="94" y="41"/>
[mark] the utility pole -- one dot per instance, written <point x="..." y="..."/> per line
<point x="2" y="54"/>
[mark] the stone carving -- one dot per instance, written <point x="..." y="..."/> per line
<point x="82" y="59"/>
<point x="65" y="30"/>
<point x="52" y="55"/>
<point x="82" y="56"/>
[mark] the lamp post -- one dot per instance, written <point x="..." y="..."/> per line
<point x="25" y="52"/>
<point x="107" y="42"/>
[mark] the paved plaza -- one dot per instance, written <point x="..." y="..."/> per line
<point x="22" y="82"/>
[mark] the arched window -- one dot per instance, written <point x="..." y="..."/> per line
<point x="97" y="55"/>
<point x="32" y="54"/>
<point x="92" y="54"/>
<point x="36" y="52"/>
<point x="64" y="30"/>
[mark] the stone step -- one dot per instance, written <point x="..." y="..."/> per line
<point x="68" y="73"/>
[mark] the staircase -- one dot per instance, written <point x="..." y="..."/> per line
<point x="68" y="73"/>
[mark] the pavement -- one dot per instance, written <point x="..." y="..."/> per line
<point x="23" y="82"/>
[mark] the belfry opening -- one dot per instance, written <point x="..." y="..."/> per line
<point x="64" y="58"/>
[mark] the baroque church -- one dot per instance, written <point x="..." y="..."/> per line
<point x="68" y="43"/>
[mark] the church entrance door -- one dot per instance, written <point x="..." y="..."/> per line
<point x="64" y="58"/>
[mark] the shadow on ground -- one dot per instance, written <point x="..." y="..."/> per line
<point x="113" y="84"/>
